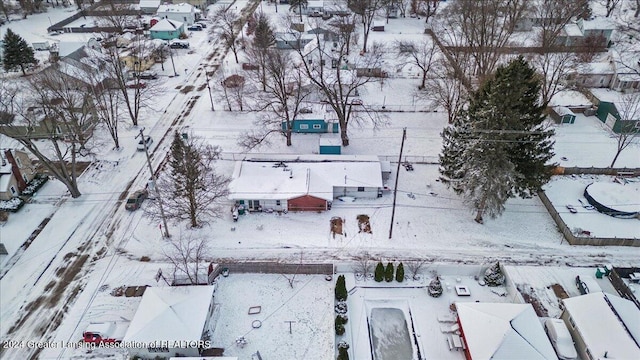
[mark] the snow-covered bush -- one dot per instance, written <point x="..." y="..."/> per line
<point x="435" y="287"/>
<point x="494" y="276"/>
<point x="341" y="308"/>
<point x="35" y="184"/>
<point x="343" y="345"/>
<point x="12" y="205"/>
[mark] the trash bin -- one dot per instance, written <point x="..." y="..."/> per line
<point x="241" y="210"/>
<point x="600" y="272"/>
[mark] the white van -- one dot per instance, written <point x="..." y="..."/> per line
<point x="560" y="339"/>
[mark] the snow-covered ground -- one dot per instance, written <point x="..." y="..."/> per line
<point x="432" y="224"/>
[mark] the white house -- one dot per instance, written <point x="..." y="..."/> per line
<point x="183" y="12"/>
<point x="149" y="6"/>
<point x="503" y="331"/>
<point x="603" y="326"/>
<point x="171" y="321"/>
<point x="303" y="182"/>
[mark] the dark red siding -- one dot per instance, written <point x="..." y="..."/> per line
<point x="307" y="203"/>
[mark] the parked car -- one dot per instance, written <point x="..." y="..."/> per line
<point x="560" y="339"/>
<point x="147" y="139"/>
<point x="56" y="32"/>
<point x="179" y="44"/>
<point x="136" y="199"/>
<point x="195" y="27"/>
<point x="315" y="13"/>
<point x="149" y="75"/>
<point x="202" y="23"/>
<point x="306" y="111"/>
<point x="356" y="102"/>
<point x="136" y="85"/>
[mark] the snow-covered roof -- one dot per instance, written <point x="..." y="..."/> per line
<point x="265" y="180"/>
<point x="601" y="330"/>
<point x="572" y="30"/>
<point x="166" y="25"/>
<point x="68" y="47"/>
<point x="171" y="314"/>
<point x="330" y="141"/>
<point x="503" y="331"/>
<point x="315" y="4"/>
<point x="562" y="111"/>
<point x="600" y="23"/>
<point x="175" y="8"/>
<point x="149" y="3"/>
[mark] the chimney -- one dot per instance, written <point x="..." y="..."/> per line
<point x="15" y="170"/>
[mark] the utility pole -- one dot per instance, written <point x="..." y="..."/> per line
<point x="395" y="187"/>
<point x="206" y="74"/>
<point x="172" y="63"/>
<point x="155" y="184"/>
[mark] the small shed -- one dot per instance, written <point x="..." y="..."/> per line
<point x="378" y="25"/>
<point x="562" y="115"/>
<point x="330" y="145"/>
<point x="615" y="113"/>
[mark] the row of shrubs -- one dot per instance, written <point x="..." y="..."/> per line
<point x="386" y="273"/>
<point x="341" y="316"/>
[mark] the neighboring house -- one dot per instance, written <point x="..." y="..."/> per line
<point x="311" y="8"/>
<point x="609" y="111"/>
<point x="562" y="115"/>
<point x="167" y="29"/>
<point x="593" y="33"/>
<point x="325" y="34"/>
<point x="603" y="326"/>
<point x="84" y="68"/>
<point x="16" y="171"/>
<point x="502" y="331"/>
<point x="592" y="75"/>
<point x="171" y="321"/>
<point x="46" y="127"/>
<point x="288" y="40"/>
<point x="303" y="182"/>
<point x="310" y="126"/>
<point x="149" y="7"/>
<point x="599" y="28"/>
<point x="183" y="12"/>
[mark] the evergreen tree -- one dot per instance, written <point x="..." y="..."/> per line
<point x="265" y="36"/>
<point x="194" y="189"/>
<point x="341" y="289"/>
<point x="499" y="148"/>
<point x="343" y="354"/>
<point x="379" y="272"/>
<point x="388" y="272"/>
<point x="494" y="276"/>
<point x="17" y="53"/>
<point x="400" y="273"/>
<point x="435" y="287"/>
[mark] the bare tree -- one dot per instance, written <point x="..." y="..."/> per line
<point x="552" y="16"/>
<point x="193" y="190"/>
<point x="49" y="109"/>
<point x="336" y="78"/>
<point x="426" y="8"/>
<point x="227" y="26"/>
<point x="482" y="29"/>
<point x="422" y="54"/>
<point x="366" y="11"/>
<point x="444" y="89"/>
<point x="553" y="67"/>
<point x="415" y="267"/>
<point x="282" y="99"/>
<point x="364" y="264"/>
<point x="629" y="111"/>
<point x="610" y="5"/>
<point x="189" y="257"/>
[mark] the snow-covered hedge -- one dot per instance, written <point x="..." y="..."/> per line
<point x="12" y="205"/>
<point x="35" y="184"/>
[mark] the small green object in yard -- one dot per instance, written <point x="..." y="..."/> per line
<point x="185" y="136"/>
<point x="225" y="272"/>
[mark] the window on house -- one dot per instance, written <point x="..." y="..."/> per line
<point x="185" y="18"/>
<point x="13" y="190"/>
<point x="304" y="126"/>
<point x="277" y="202"/>
<point x="584" y="80"/>
<point x="573" y="324"/>
<point x="601" y="80"/>
<point x="18" y="161"/>
<point x="310" y="61"/>
<point x="316" y="126"/>
<point x="360" y="188"/>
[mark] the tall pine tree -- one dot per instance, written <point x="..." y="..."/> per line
<point x="195" y="188"/>
<point x="499" y="147"/>
<point x="17" y="52"/>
